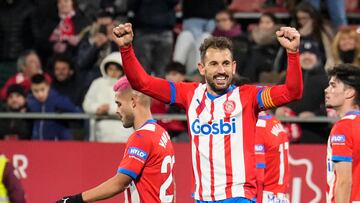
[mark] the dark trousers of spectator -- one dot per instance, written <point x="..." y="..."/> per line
<point x="154" y="50"/>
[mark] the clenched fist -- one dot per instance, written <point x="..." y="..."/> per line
<point x="123" y="35"/>
<point x="289" y="38"/>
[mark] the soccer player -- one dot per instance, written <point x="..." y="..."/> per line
<point x="271" y="153"/>
<point x="221" y="117"/>
<point x="147" y="166"/>
<point x="343" y="154"/>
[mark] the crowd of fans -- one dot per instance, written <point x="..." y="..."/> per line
<point x="58" y="56"/>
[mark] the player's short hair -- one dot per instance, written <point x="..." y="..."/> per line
<point x="122" y="84"/>
<point x="349" y="75"/>
<point x="38" y="79"/>
<point x="221" y="43"/>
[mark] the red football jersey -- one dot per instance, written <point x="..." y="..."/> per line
<point x="343" y="146"/>
<point x="149" y="161"/>
<point x="271" y="152"/>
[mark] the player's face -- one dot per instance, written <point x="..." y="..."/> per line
<point x="335" y="93"/>
<point x="218" y="68"/>
<point x="124" y="109"/>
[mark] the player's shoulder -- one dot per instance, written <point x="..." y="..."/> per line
<point x="186" y="86"/>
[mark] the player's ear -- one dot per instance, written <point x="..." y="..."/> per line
<point x="201" y="68"/>
<point x="233" y="66"/>
<point x="133" y="101"/>
<point x="350" y="93"/>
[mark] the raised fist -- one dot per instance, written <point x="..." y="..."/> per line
<point x="289" y="38"/>
<point x="123" y="35"/>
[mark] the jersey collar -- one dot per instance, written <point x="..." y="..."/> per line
<point x="354" y="112"/>
<point x="212" y="97"/>
<point x="265" y="117"/>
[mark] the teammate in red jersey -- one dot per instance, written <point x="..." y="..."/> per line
<point x="343" y="154"/>
<point x="221" y="117"/>
<point x="145" y="171"/>
<point x="271" y="153"/>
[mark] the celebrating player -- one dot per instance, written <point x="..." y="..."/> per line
<point x="221" y="117"/>
<point x="343" y="154"/>
<point x="271" y="153"/>
<point x="147" y="166"/>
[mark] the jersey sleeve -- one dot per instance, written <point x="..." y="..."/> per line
<point x="341" y="142"/>
<point x="158" y="88"/>
<point x="137" y="152"/>
<point x="278" y="95"/>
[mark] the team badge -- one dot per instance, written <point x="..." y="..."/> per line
<point x="229" y="106"/>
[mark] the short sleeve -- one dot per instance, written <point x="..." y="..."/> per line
<point x="136" y="154"/>
<point x="341" y="142"/>
<point x="260" y="144"/>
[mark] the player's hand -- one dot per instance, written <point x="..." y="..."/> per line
<point x="72" y="199"/>
<point x="289" y="38"/>
<point x="123" y="35"/>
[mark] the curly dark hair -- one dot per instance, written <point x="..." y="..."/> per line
<point x="215" y="43"/>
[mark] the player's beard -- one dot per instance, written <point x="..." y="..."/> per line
<point x="128" y="120"/>
<point x="219" y="90"/>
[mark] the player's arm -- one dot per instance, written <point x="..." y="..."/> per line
<point x="278" y="95"/>
<point x="109" y="188"/>
<point x="137" y="76"/>
<point x="342" y="150"/>
<point x="343" y="183"/>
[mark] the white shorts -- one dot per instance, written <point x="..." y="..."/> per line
<point x="270" y="197"/>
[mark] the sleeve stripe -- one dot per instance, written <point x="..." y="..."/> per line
<point x="267" y="99"/>
<point x="128" y="172"/>
<point x="172" y="92"/>
<point x="260" y="165"/>
<point x="342" y="158"/>
<point x="259" y="98"/>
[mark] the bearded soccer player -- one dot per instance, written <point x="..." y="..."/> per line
<point x="146" y="169"/>
<point x="343" y="154"/>
<point x="271" y="153"/>
<point x="221" y="117"/>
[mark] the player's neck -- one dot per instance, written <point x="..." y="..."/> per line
<point x="345" y="109"/>
<point x="141" y="116"/>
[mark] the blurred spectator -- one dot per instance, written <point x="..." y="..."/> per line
<point x="18" y="31"/>
<point x="175" y="72"/>
<point x="264" y="46"/>
<point x="226" y="25"/>
<point x="336" y="10"/>
<point x="29" y="64"/>
<point x="99" y="101"/>
<point x="62" y="34"/>
<point x="65" y="80"/>
<point x="15" y="128"/>
<point x="47" y="100"/>
<point x="95" y="46"/>
<point x="11" y="189"/>
<point x="154" y="21"/>
<point x="198" y="24"/>
<point x="311" y="26"/>
<point x="312" y="102"/>
<point x="345" y="47"/>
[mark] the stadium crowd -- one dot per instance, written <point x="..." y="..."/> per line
<point x="59" y="56"/>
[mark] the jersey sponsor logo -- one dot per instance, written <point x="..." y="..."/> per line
<point x="259" y="148"/>
<point x="229" y="106"/>
<point x="137" y="153"/>
<point x="216" y="128"/>
<point x="338" y="139"/>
